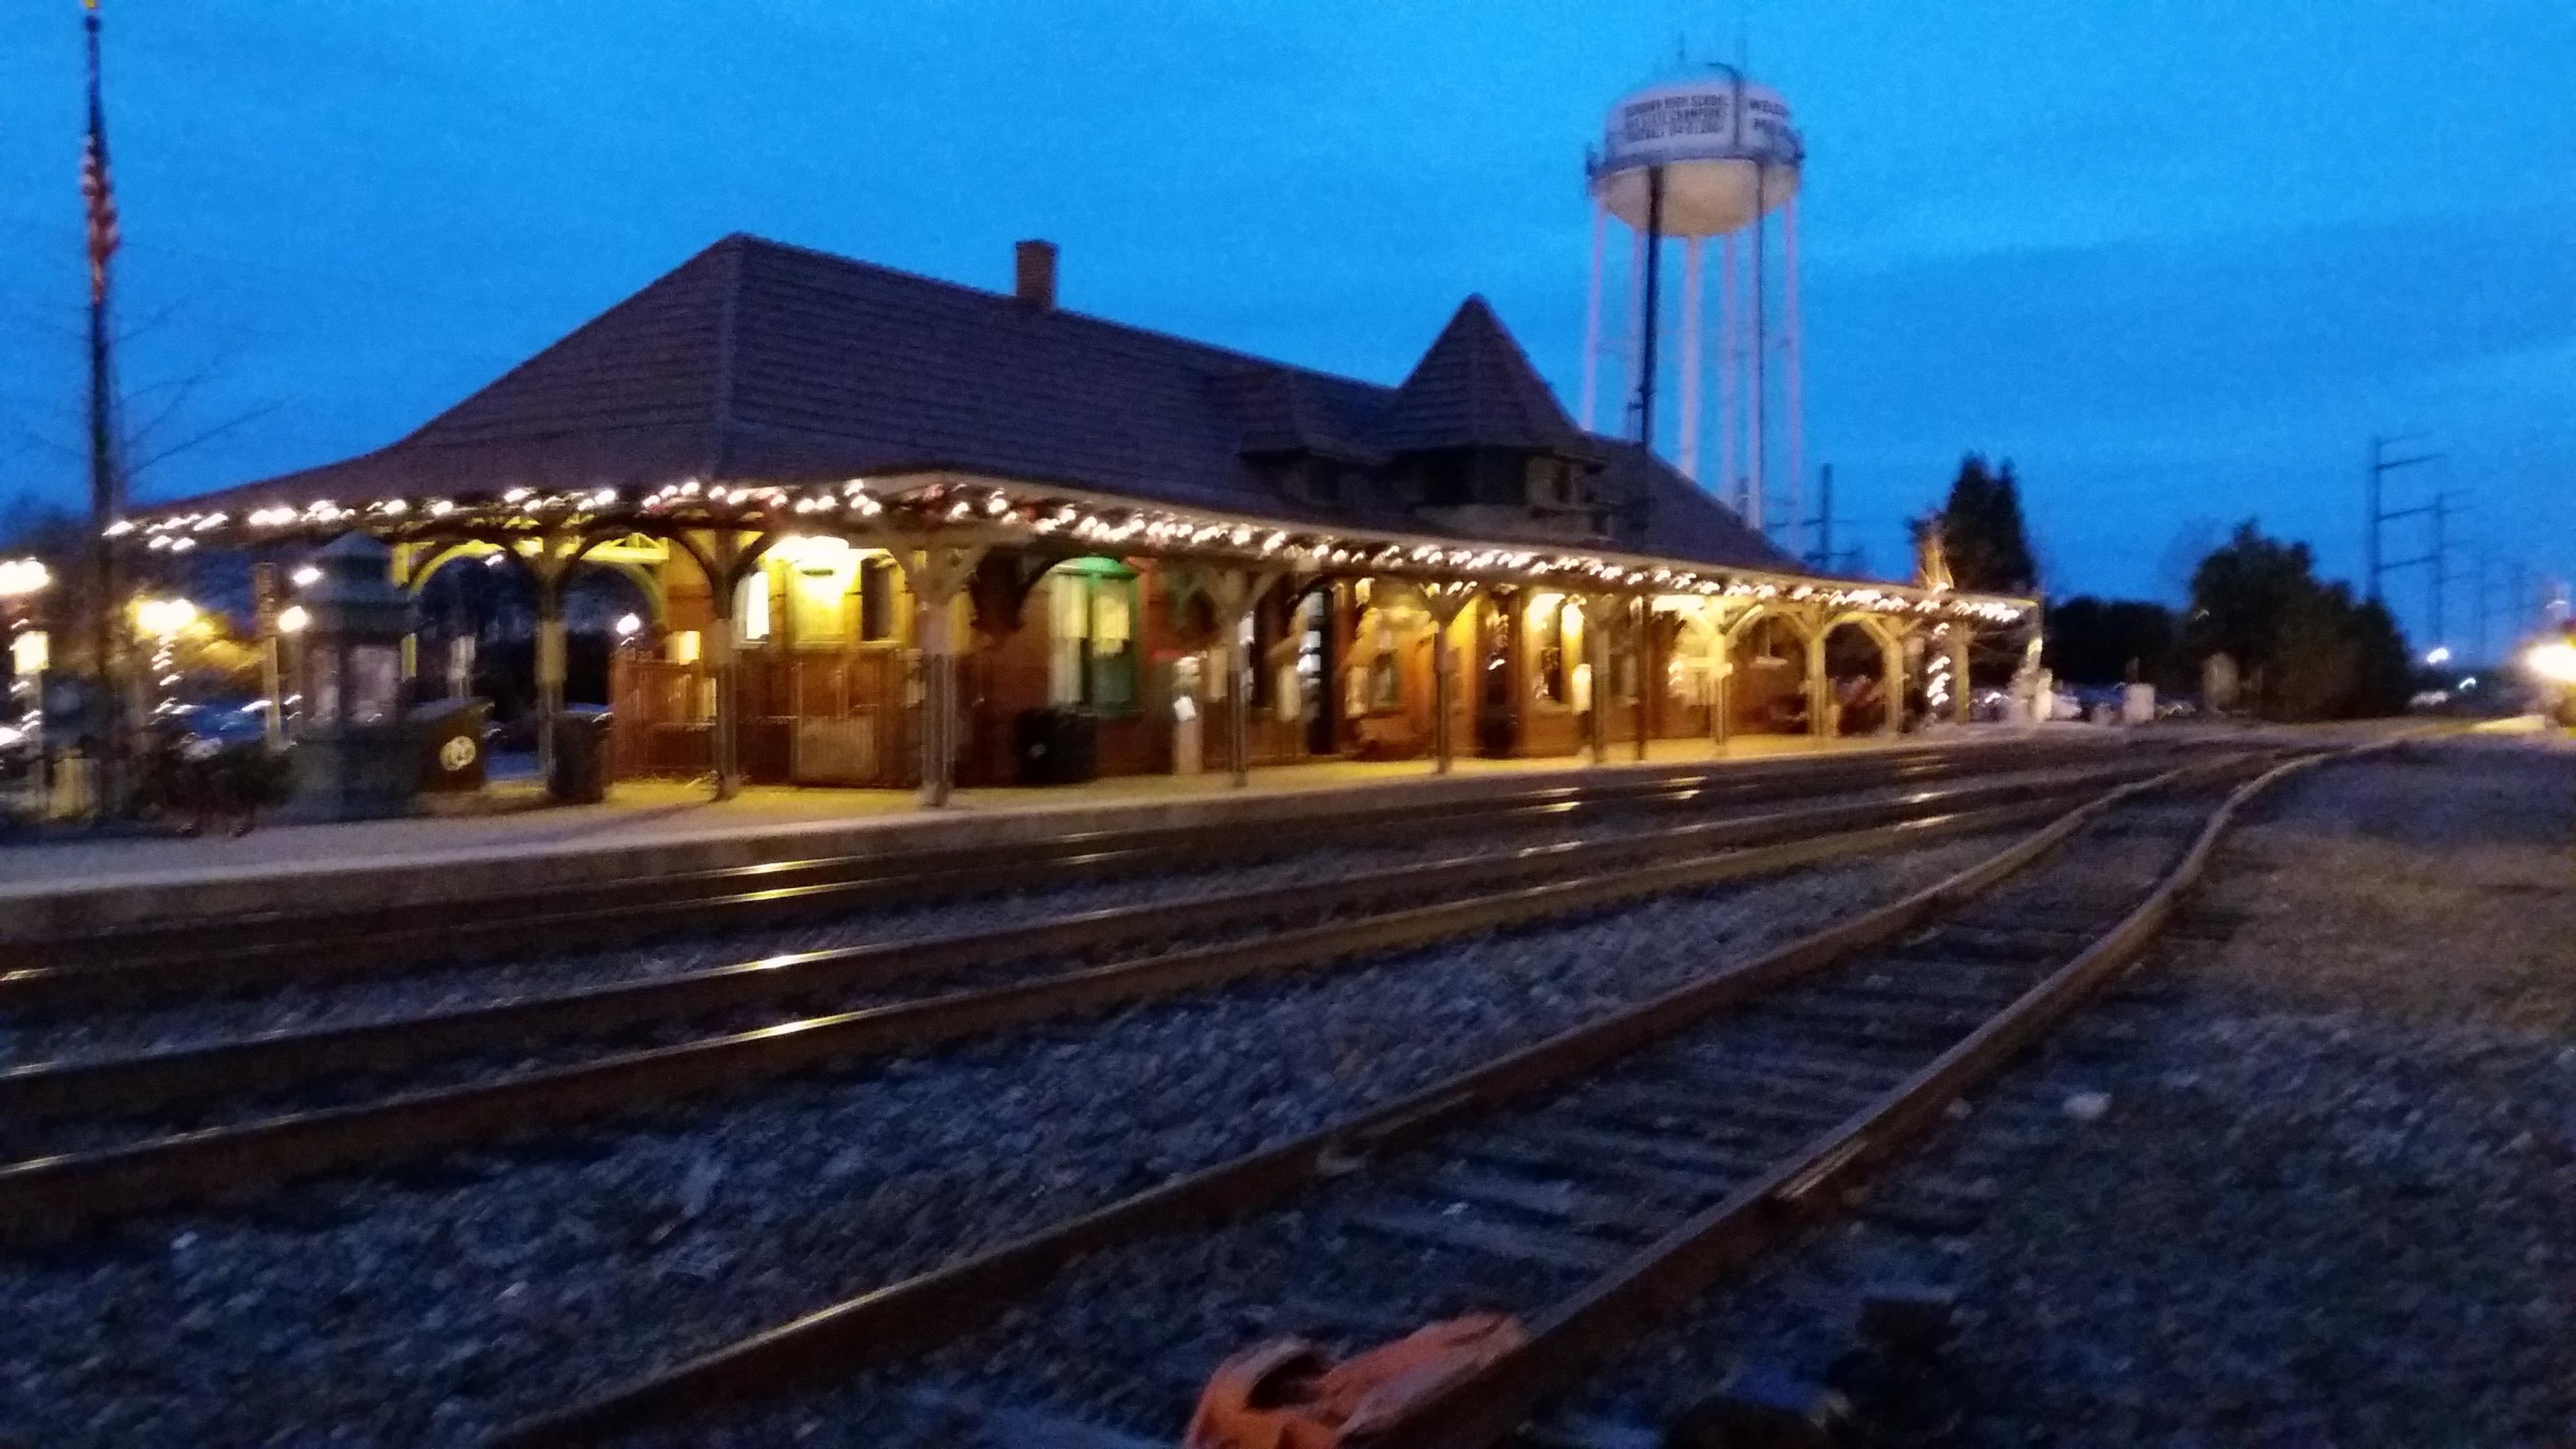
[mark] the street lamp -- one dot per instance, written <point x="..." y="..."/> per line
<point x="2440" y="655"/>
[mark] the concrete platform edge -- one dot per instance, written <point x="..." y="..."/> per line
<point x="431" y="879"/>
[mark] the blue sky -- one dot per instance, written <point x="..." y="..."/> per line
<point x="2177" y="260"/>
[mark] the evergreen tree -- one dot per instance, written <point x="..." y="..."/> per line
<point x="1981" y="526"/>
<point x="2306" y="648"/>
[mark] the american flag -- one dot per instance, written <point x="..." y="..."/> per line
<point x="94" y="183"/>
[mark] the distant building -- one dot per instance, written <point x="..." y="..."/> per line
<point x="848" y="491"/>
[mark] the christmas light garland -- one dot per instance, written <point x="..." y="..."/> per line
<point x="875" y="509"/>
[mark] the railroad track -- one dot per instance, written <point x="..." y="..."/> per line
<point x="1591" y="1184"/>
<point x="194" y="958"/>
<point x="96" y="1166"/>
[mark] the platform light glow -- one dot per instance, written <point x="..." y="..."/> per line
<point x="21" y="577"/>
<point x="2554" y="661"/>
<point x="164" y="618"/>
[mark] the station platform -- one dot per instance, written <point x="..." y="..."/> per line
<point x="651" y="827"/>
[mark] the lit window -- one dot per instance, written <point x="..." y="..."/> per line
<point x="751" y="607"/>
<point x="1091" y="637"/>
<point x="1547" y="648"/>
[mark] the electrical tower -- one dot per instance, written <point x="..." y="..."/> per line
<point x="2381" y="465"/>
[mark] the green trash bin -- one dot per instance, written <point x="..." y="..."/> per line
<point x="581" y="769"/>
<point x="449" y="738"/>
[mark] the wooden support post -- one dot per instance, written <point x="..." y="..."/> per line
<point x="1891" y="655"/>
<point x="726" y="558"/>
<point x="1721" y="679"/>
<point x="1234" y="593"/>
<point x="549" y="567"/>
<point x="1820" y="689"/>
<point x="1596" y="653"/>
<point x="1444" y="601"/>
<point x="550" y="672"/>
<point x="1640" y="613"/>
<point x="1960" y="704"/>
<point x="720" y="653"/>
<point x="937" y="574"/>
<point x="406" y="561"/>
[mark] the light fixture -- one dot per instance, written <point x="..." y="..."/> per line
<point x="292" y="619"/>
<point x="164" y="618"/>
<point x="20" y="577"/>
<point x="2554" y="661"/>
<point x="306" y="576"/>
<point x="628" y="626"/>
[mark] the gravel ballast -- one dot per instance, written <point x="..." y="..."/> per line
<point x="2308" y="1178"/>
<point x="430" y="1308"/>
<point x="1124" y="1339"/>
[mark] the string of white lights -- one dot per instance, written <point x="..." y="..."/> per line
<point x="948" y="504"/>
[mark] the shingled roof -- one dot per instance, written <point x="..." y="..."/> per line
<point x="1475" y="388"/>
<point x="756" y="361"/>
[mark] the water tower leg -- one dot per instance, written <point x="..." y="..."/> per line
<point x="1757" y="479"/>
<point x="1726" y="364"/>
<point x="1592" y="315"/>
<point x="1792" y="348"/>
<point x="1690" y="359"/>
<point x="1636" y="321"/>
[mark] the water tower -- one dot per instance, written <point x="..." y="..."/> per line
<point x="1706" y="155"/>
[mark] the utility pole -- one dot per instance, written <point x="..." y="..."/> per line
<point x="1823" y="522"/>
<point x="2515" y="606"/>
<point x="2437" y="560"/>
<point x="2441" y="569"/>
<point x="2380" y="466"/>
<point x="2478" y="613"/>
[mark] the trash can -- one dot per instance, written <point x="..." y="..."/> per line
<point x="448" y="736"/>
<point x="580" y="774"/>
<point x="1057" y="746"/>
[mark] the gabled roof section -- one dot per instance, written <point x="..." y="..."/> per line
<point x="1475" y="388"/>
<point x="1684" y="521"/>
<point x="654" y="361"/>
<point x="1282" y="410"/>
<point x="756" y="362"/>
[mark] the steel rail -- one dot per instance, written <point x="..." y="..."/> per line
<point x="932" y="1307"/>
<point x="50" y="1197"/>
<point x="197" y="1073"/>
<point x="197" y="957"/>
<point x="1487" y="1406"/>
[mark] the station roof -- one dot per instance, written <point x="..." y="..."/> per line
<point x="792" y="377"/>
<point x="764" y="363"/>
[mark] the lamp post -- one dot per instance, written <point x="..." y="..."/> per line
<point x="352" y="757"/>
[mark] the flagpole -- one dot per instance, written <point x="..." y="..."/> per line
<point x="104" y="503"/>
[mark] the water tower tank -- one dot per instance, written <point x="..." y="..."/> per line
<point x="1728" y="151"/>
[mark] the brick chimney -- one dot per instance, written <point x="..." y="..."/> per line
<point x="1036" y="282"/>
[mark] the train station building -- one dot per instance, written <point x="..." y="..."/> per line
<point x="888" y="526"/>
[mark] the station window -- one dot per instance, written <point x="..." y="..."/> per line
<point x="1547" y="648"/>
<point x="751" y="607"/>
<point x="1091" y="636"/>
<point x="876" y="598"/>
<point x="1548" y="482"/>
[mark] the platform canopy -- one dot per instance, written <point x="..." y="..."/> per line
<point x="773" y="390"/>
